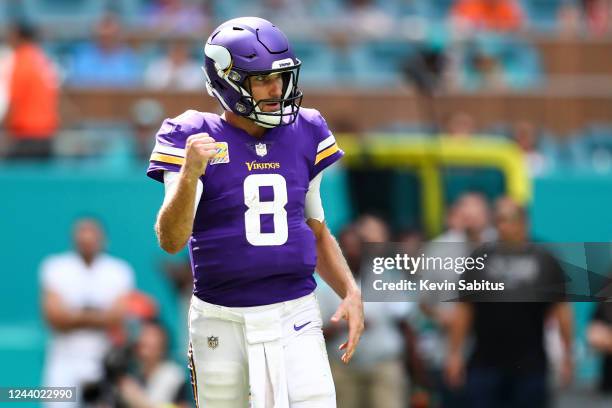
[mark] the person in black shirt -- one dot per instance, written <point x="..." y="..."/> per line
<point x="600" y="338"/>
<point x="508" y="365"/>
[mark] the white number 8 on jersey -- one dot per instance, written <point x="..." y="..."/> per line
<point x="256" y="208"/>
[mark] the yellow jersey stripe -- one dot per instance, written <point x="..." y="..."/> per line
<point x="326" y="153"/>
<point x="167" y="159"/>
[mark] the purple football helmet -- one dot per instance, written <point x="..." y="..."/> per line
<point x="252" y="46"/>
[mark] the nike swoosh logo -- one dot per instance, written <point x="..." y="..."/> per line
<point x="298" y="328"/>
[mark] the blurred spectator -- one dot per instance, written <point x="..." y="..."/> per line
<point x="600" y="338"/>
<point x="454" y="221"/>
<point x="363" y="20"/>
<point x="468" y="225"/>
<point x="83" y="298"/>
<point x="158" y="381"/>
<point x="525" y="135"/>
<point x="138" y="307"/>
<point x="569" y="19"/>
<point x="598" y="14"/>
<point x="476" y="219"/>
<point x="508" y="364"/>
<point x="377" y="375"/>
<point x="147" y="113"/>
<point x="460" y="125"/>
<point x="371" y="229"/>
<point x="180" y="275"/>
<point x="493" y="15"/>
<point x="350" y="242"/>
<point x="107" y="62"/>
<point x="426" y="69"/>
<point x="177" y="16"/>
<point x="176" y="71"/>
<point x="484" y="69"/>
<point x="496" y="62"/>
<point x="293" y="16"/>
<point x="32" y="91"/>
<point x="411" y="241"/>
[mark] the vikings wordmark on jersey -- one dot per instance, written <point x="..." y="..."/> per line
<point x="250" y="244"/>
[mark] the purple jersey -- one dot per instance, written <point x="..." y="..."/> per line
<point x="250" y="244"/>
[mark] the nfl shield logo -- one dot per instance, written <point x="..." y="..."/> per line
<point x="213" y="342"/>
<point x="261" y="150"/>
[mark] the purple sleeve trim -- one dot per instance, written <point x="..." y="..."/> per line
<point x="156" y="170"/>
<point x="326" y="162"/>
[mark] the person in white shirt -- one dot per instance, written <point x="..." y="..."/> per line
<point x="176" y="70"/>
<point x="83" y="295"/>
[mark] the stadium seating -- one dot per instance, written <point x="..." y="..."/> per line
<point x="65" y="16"/>
<point x="320" y="60"/>
<point x="542" y="13"/>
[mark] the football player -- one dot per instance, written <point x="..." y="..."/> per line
<point x="242" y="190"/>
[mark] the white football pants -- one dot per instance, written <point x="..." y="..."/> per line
<point x="270" y="356"/>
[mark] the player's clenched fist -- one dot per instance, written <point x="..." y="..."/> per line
<point x="199" y="149"/>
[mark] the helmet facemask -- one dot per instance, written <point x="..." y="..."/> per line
<point x="246" y="106"/>
<point x="289" y="101"/>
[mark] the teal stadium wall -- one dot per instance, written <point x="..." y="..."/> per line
<point x="574" y="207"/>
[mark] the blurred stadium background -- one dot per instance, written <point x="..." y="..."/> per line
<point x="428" y="102"/>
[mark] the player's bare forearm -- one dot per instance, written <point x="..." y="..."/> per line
<point x="459" y="328"/>
<point x="563" y="313"/>
<point x="331" y="265"/>
<point x="333" y="268"/>
<point x="454" y="369"/>
<point x="175" y="219"/>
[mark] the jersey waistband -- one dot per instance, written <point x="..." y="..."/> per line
<point x="236" y="314"/>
